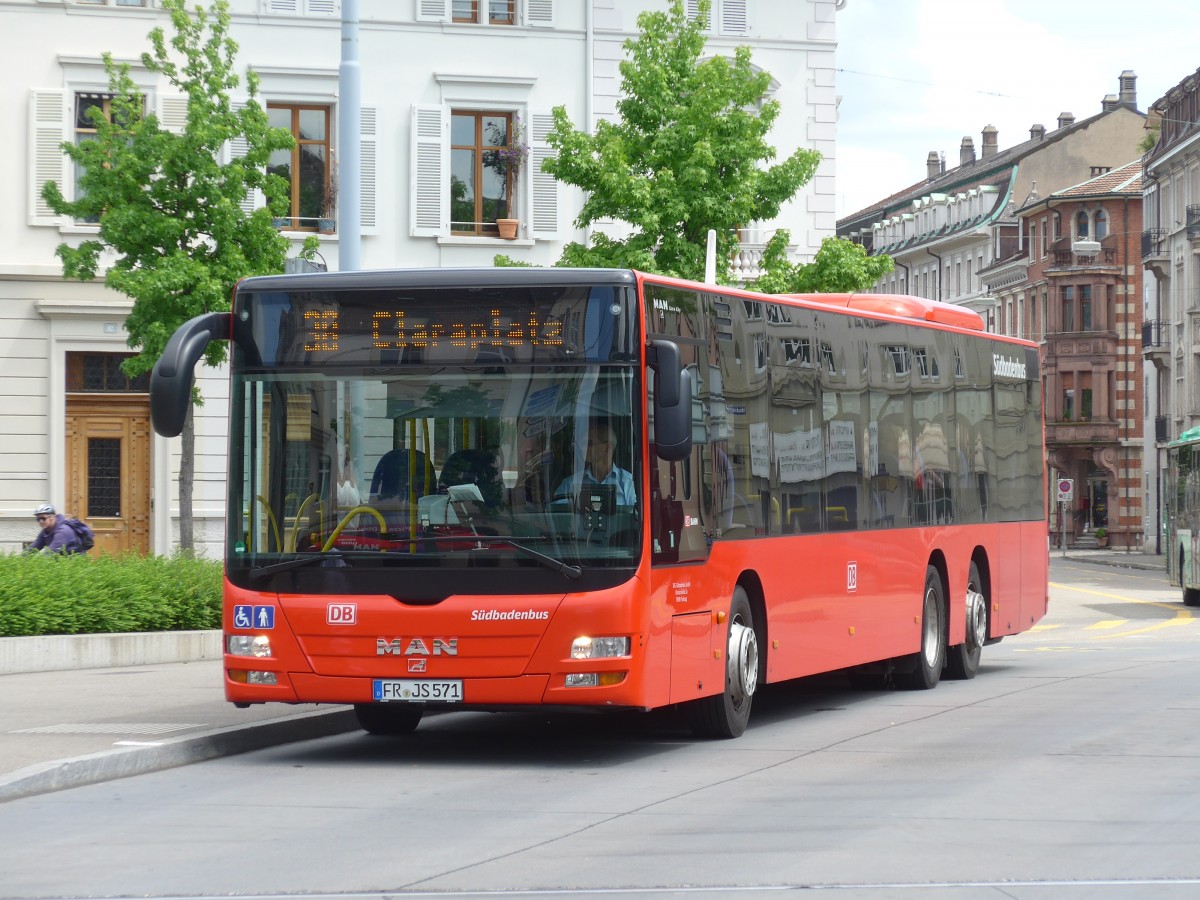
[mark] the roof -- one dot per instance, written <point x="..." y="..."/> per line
<point x="980" y="171"/>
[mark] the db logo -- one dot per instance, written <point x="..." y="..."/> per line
<point x="851" y="577"/>
<point x="341" y="613"/>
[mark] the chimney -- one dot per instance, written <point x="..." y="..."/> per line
<point x="932" y="167"/>
<point x="1065" y="119"/>
<point x="1109" y="103"/>
<point x="1037" y="132"/>
<point x="966" y="152"/>
<point x="1129" y="88"/>
<point x="991" y="140"/>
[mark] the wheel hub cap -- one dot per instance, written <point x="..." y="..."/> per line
<point x="742" y="661"/>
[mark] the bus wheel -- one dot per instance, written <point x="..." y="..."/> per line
<point x="929" y="660"/>
<point x="388" y="719"/>
<point x="1191" y="596"/>
<point x="726" y="714"/>
<point x="963" y="659"/>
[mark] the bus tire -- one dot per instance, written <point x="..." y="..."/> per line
<point x="726" y="715"/>
<point x="388" y="719"/>
<point x="962" y="661"/>
<point x="927" y="663"/>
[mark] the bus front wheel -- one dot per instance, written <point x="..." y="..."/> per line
<point x="388" y="719"/>
<point x="927" y="663"/>
<point x="963" y="659"/>
<point x="727" y="714"/>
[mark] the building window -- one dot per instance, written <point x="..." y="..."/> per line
<point x="1085" y="307"/>
<point x="306" y="167"/>
<point x="1068" y="308"/>
<point x="100" y="373"/>
<point x="1101" y="224"/>
<point x="498" y="12"/>
<point x="85" y="130"/>
<point x="1081" y="226"/>
<point x="480" y="181"/>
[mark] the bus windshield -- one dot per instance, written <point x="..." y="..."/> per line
<point x="437" y="468"/>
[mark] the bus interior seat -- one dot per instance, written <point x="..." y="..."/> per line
<point x="392" y="474"/>
<point x="478" y="467"/>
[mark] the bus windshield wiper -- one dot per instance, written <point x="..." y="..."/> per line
<point x="545" y="559"/>
<point x="333" y="558"/>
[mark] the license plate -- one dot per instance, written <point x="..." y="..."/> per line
<point x="417" y="690"/>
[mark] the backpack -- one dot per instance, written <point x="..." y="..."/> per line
<point x="83" y="531"/>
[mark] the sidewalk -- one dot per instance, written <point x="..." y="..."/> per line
<point x="1110" y="557"/>
<point x="69" y="727"/>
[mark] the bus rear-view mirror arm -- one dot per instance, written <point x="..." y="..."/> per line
<point x="172" y="376"/>
<point x="672" y="401"/>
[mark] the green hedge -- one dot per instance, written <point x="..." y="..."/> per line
<point x="99" y="593"/>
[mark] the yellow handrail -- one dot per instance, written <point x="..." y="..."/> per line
<point x="350" y="515"/>
<point x="299" y="515"/>
<point x="272" y="520"/>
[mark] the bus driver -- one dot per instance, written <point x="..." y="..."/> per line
<point x="599" y="468"/>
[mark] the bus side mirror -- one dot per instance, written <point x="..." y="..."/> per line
<point x="172" y="376"/>
<point x="672" y="401"/>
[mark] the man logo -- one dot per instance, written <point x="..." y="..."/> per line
<point x="416" y="647"/>
<point x="341" y="613"/>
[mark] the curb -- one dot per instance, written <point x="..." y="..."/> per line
<point x="56" y="652"/>
<point x="126" y="761"/>
<point x="1120" y="561"/>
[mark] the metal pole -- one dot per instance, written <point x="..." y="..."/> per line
<point x="350" y="144"/>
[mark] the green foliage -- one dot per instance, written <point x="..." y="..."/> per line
<point x="688" y="154"/>
<point x="166" y="206"/>
<point x="79" y="594"/>
<point x="1151" y="138"/>
<point x="840" y="266"/>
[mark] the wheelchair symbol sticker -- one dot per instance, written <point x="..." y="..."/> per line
<point x="243" y="616"/>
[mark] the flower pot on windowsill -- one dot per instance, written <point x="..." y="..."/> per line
<point x="327" y="226"/>
<point x="508" y="228"/>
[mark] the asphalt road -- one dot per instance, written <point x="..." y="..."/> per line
<point x="1066" y="770"/>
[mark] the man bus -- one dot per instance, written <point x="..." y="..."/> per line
<point x="1182" y="515"/>
<point x="814" y="483"/>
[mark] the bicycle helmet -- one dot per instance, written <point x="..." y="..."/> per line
<point x="46" y="509"/>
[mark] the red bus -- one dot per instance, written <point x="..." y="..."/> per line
<point x="775" y="487"/>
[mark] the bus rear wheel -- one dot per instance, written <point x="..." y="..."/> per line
<point x="727" y="714"/>
<point x="927" y="663"/>
<point x="388" y="719"/>
<point x="963" y="659"/>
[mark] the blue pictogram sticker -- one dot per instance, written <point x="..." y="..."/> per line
<point x="264" y="617"/>
<point x="243" y="616"/>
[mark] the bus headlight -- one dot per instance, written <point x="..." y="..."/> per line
<point x="248" y="645"/>
<point x="599" y="647"/>
<point x="251" y="677"/>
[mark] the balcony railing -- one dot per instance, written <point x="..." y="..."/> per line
<point x="1155" y="334"/>
<point x="1107" y="256"/>
<point x="1154" y="242"/>
<point x="1193" y="221"/>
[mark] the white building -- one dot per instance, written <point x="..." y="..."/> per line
<point x="76" y="434"/>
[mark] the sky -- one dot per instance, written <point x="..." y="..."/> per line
<point x="919" y="75"/>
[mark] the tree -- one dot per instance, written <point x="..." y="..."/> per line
<point x="840" y="266"/>
<point x="166" y="205"/>
<point x="689" y="153"/>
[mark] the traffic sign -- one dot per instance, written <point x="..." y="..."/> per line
<point x="1066" y="490"/>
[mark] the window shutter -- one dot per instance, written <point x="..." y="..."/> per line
<point x="429" y="186"/>
<point x="238" y="147"/>
<point x="323" y="8"/>
<point x="433" y="10"/>
<point x="172" y="112"/>
<point x="545" y="185"/>
<point x="283" y="6"/>
<point x="367" y="170"/>
<point x="735" y="17"/>
<point x="692" y="8"/>
<point x="539" y="13"/>
<point x="48" y="117"/>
